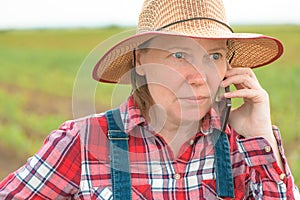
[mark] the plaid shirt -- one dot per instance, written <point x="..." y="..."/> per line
<point x="74" y="164"/>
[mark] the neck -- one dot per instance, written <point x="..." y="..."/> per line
<point x="174" y="132"/>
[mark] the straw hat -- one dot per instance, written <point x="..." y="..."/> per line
<point x="188" y="18"/>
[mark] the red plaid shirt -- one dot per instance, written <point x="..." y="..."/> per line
<point x="74" y="161"/>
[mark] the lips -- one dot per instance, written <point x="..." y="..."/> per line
<point x="194" y="99"/>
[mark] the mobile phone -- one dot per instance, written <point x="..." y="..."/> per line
<point x="223" y="106"/>
<point x="225" y="112"/>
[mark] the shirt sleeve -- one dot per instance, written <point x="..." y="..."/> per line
<point x="267" y="180"/>
<point x="52" y="173"/>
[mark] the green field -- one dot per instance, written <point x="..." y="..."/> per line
<point x="38" y="69"/>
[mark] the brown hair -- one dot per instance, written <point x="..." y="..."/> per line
<point x="140" y="91"/>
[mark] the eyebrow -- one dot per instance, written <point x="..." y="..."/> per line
<point x="178" y="47"/>
<point x="218" y="49"/>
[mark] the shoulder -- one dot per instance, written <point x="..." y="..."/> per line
<point x="72" y="137"/>
<point x="87" y="122"/>
<point x="72" y="131"/>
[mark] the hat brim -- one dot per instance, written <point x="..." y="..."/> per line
<point x="249" y="50"/>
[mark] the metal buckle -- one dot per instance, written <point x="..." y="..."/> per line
<point x="116" y="138"/>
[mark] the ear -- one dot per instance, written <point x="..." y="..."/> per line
<point x="138" y="65"/>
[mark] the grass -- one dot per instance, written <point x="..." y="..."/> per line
<point x="39" y="68"/>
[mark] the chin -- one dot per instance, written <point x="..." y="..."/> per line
<point x="191" y="116"/>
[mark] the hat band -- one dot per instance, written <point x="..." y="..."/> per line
<point x="195" y="18"/>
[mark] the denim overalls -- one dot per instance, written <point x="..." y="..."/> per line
<point x="119" y="157"/>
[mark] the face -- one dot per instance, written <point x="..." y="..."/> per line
<point x="183" y="75"/>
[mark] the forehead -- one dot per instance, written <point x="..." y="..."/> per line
<point x="188" y="42"/>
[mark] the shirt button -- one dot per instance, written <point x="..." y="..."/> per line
<point x="177" y="176"/>
<point x="192" y="142"/>
<point x="282" y="176"/>
<point x="267" y="149"/>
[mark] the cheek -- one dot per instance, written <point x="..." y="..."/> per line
<point x="213" y="84"/>
<point x="161" y="94"/>
<point x="163" y="78"/>
<point x="223" y="71"/>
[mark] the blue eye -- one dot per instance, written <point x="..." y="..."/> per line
<point x="178" y="55"/>
<point x="216" y="56"/>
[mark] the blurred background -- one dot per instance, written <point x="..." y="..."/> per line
<point x="44" y="43"/>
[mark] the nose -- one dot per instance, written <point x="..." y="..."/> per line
<point x="195" y="77"/>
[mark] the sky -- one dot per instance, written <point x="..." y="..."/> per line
<point x="16" y="14"/>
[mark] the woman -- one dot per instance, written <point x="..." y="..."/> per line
<point x="167" y="140"/>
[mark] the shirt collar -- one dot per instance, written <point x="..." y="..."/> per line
<point x="131" y="114"/>
<point x="210" y="121"/>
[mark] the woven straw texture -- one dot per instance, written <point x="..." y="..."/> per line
<point x="249" y="50"/>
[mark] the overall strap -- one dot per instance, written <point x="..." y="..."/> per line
<point x="224" y="179"/>
<point x="119" y="157"/>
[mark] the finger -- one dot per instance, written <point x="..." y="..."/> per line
<point x="241" y="82"/>
<point x="239" y="70"/>
<point x="256" y="96"/>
